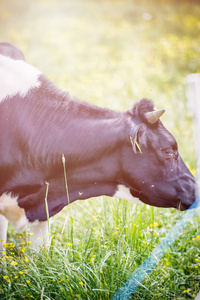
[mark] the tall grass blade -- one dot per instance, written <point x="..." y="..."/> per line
<point x="46" y="205"/>
<point x="65" y="176"/>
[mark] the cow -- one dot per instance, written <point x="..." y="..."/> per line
<point x="79" y="151"/>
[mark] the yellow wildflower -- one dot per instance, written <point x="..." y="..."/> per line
<point x="23" y="250"/>
<point x="14" y="263"/>
<point x="197" y="259"/>
<point x="154" y="225"/>
<point x="81" y="283"/>
<point x="69" y="244"/>
<point x="9" y="257"/>
<point x="92" y="260"/>
<point x="8" y="245"/>
<point x="198" y="237"/>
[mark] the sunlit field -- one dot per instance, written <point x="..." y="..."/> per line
<point x="112" y="54"/>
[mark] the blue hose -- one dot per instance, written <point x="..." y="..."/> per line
<point x="137" y="277"/>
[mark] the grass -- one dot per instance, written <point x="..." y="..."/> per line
<point x="110" y="53"/>
<point x="92" y="262"/>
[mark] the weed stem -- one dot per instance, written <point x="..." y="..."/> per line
<point x="66" y="185"/>
<point x="46" y="205"/>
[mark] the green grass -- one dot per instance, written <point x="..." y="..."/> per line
<point x="95" y="249"/>
<point x="109" y="53"/>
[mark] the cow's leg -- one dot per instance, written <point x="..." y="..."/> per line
<point x="3" y="238"/>
<point x="39" y="236"/>
<point x="3" y="231"/>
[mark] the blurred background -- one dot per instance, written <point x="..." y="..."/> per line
<point x="113" y="52"/>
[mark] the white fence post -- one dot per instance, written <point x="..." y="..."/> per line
<point x="193" y="98"/>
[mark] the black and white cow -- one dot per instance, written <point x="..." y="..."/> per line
<point x="128" y="155"/>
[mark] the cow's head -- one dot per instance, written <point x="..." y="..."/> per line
<point x="153" y="168"/>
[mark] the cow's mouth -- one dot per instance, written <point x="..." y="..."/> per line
<point x="182" y="206"/>
<point x="178" y="204"/>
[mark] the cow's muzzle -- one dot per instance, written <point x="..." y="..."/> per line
<point x="187" y="195"/>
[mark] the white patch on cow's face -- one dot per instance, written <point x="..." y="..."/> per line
<point x="16" y="77"/>
<point x="124" y="193"/>
<point x="10" y="209"/>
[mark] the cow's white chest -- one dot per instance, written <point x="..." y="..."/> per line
<point x="12" y="213"/>
<point x="123" y="192"/>
<point x="16" y="77"/>
<point x="10" y="209"/>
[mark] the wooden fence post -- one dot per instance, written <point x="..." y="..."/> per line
<point x="193" y="98"/>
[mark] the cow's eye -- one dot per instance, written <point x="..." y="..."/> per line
<point x="168" y="153"/>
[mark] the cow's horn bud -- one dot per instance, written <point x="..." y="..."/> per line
<point x="153" y="116"/>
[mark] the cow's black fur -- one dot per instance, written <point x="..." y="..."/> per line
<point x="8" y="49"/>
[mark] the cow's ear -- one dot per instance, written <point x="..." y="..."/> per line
<point x="138" y="137"/>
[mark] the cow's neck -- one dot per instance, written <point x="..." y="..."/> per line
<point x="92" y="145"/>
<point x="94" y="170"/>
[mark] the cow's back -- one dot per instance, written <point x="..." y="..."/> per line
<point x="8" y="49"/>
